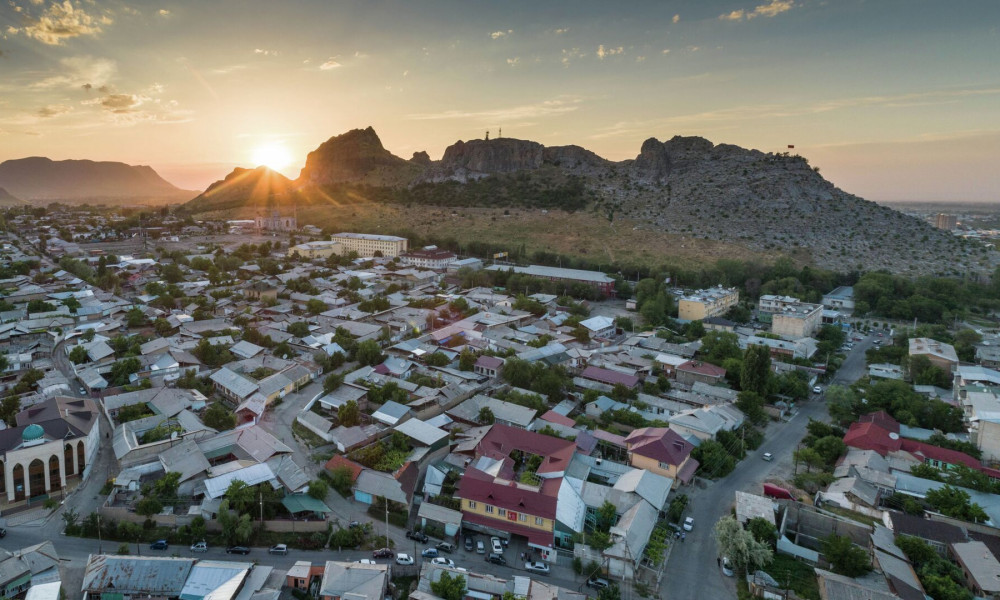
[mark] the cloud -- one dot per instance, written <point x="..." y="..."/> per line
<point x="603" y="52"/>
<point x="499" y="34"/>
<point x="263" y="52"/>
<point x="329" y="64"/>
<point x="118" y="103"/>
<point x="79" y="71"/>
<point x="546" y="108"/>
<point x="640" y="59"/>
<point x="676" y="19"/>
<point x="60" y="22"/>
<point x="561" y="30"/>
<point x="665" y="51"/>
<point x="164" y="12"/>
<point x="513" y="61"/>
<point x="53" y="110"/>
<point x="775" y="8"/>
<point x="570" y="55"/>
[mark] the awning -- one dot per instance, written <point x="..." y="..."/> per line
<point x="297" y="503"/>
<point x="686" y="474"/>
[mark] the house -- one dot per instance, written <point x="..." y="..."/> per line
<point x="28" y="567"/>
<point x="980" y="567"/>
<point x="662" y="451"/>
<point x="706" y="422"/>
<point x="940" y="354"/>
<point x="316" y="249"/>
<point x="397" y="487"/>
<point x="599" y="326"/>
<point x="609" y="377"/>
<point x="840" y="299"/>
<point x="488" y="365"/>
<point x="695" y="370"/>
<point x="232" y="385"/>
<point x="430" y="257"/>
<point x="159" y="576"/>
<point x="349" y="580"/>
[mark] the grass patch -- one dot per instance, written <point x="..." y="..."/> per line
<point x="311" y="439"/>
<point x="798" y="576"/>
<point x="852" y="515"/>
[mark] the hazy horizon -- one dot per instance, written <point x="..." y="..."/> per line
<point x="894" y="102"/>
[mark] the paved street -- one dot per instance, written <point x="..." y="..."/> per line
<point x="690" y="572"/>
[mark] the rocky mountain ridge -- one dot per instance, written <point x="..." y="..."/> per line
<point x="685" y="185"/>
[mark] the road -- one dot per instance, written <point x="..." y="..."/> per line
<point x="690" y="573"/>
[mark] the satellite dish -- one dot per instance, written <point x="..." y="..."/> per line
<point x="893" y="435"/>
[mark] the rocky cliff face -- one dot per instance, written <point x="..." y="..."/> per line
<point x="43" y="179"/>
<point x="356" y="157"/>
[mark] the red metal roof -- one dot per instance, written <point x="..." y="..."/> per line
<point x="871" y="436"/>
<point x="553" y="417"/>
<point x="481" y="487"/>
<point x="702" y="368"/>
<point x="659" y="443"/>
<point x="339" y="461"/>
<point x="500" y="440"/>
<point x="610" y="377"/>
<point x="489" y="362"/>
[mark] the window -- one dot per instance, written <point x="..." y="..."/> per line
<point x="472" y="504"/>
<point x="539" y="520"/>
<point x="502" y="512"/>
<point x="523" y="518"/>
<point x="489" y="509"/>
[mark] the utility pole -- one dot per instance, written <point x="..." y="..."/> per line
<point x="261" y="500"/>
<point x="386" y="500"/>
<point x="100" y="543"/>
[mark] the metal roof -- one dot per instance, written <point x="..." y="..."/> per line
<point x="297" y="503"/>
<point x="260" y="473"/>
<point x="217" y="580"/>
<point x="161" y="576"/>
<point x="422" y="432"/>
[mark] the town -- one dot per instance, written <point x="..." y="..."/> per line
<point x="246" y="409"/>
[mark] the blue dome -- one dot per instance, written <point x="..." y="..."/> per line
<point x="32" y="432"/>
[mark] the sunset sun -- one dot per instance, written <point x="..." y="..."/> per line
<point x="272" y="155"/>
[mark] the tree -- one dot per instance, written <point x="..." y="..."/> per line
<point x="318" y="489"/>
<point x="715" y="460"/>
<point x="717" y="346"/>
<point x="166" y="487"/>
<point x="486" y="416"/>
<point x="467" y="360"/>
<point x="612" y="592"/>
<point x="299" y="329"/>
<point x="607" y="516"/>
<point x="341" y="479"/>
<point x="349" y="414"/>
<point x="315" y="306"/>
<point x="78" y="355"/>
<point x="121" y="370"/>
<point x="368" y="353"/>
<point x="218" y="417"/>
<point x="763" y="531"/>
<point x="162" y="327"/>
<point x="332" y="382"/>
<point x="846" y="558"/>
<point x="752" y="405"/>
<point x="449" y="587"/>
<point x="9" y="408"/>
<point x="744" y="551"/>
<point x="236" y="527"/>
<point x="241" y="496"/>
<point x="135" y="317"/>
<point x="830" y="448"/>
<point x="148" y="507"/>
<point x="811" y="458"/>
<point x="953" y="502"/>
<point x="756" y="371"/>
<point x="437" y="359"/>
<point x="840" y="402"/>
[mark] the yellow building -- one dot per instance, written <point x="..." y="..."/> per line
<point x="713" y="302"/>
<point x="318" y="249"/>
<point x="367" y="244"/>
<point x="662" y="451"/>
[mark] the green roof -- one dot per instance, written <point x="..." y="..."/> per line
<point x="297" y="503"/>
<point x="32" y="432"/>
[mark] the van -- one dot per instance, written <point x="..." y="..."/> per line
<point x="446" y="547"/>
<point x="480" y="547"/>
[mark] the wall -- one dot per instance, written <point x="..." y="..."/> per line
<point x="500" y="522"/>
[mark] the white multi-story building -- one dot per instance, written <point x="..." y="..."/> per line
<point x="428" y="258"/>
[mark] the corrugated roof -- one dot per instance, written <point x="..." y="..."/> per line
<point x="297" y="503"/>
<point x="215" y="580"/>
<point x="159" y="576"/>
<point x="216" y="487"/>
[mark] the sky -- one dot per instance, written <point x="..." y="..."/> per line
<point x="892" y="99"/>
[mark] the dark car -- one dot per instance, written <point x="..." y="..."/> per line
<point x="446" y="547"/>
<point x="418" y="536"/>
<point x="598" y="583"/>
<point x="3" y="532"/>
<point x="496" y="559"/>
<point x="383" y="553"/>
<point x="238" y="550"/>
<point x="159" y="545"/>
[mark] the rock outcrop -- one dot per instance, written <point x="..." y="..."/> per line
<point x="356" y="157"/>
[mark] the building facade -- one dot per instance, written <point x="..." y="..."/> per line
<point x="428" y="258"/>
<point x="367" y="244"/>
<point x="797" y="321"/>
<point x="317" y="249"/>
<point x="604" y="283"/>
<point x="275" y="223"/>
<point x="712" y="302"/>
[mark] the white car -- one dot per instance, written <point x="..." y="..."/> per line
<point x="688" y="524"/>
<point x="367" y="561"/>
<point x="497" y="545"/>
<point x="727" y="567"/>
<point x="768" y="456"/>
<point x="817" y="390"/>
<point x="537" y="567"/>
<point x="199" y="547"/>
<point x="404" y="559"/>
<point x="444" y="562"/>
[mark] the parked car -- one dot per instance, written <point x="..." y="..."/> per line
<point x="444" y="562"/>
<point x="404" y="559"/>
<point x="817" y="390"/>
<point x="278" y="549"/>
<point x="238" y="550"/>
<point x="598" y="583"/>
<point x="354" y="524"/>
<point x="199" y="547"/>
<point x="429" y="553"/>
<point x="367" y="561"/>
<point x="383" y="553"/>
<point x="446" y="547"/>
<point x="420" y="536"/>
<point x="497" y="545"/>
<point x="768" y="456"/>
<point x="159" y="545"/>
<point x="727" y="567"/>
<point x="537" y="567"/>
<point x="469" y="544"/>
<point x="496" y="559"/>
<point x="3" y="532"/>
<point x="688" y="524"/>
<point x="480" y="548"/>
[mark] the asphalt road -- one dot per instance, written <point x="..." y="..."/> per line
<point x="690" y="573"/>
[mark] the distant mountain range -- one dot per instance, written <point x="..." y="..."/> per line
<point x="40" y="180"/>
<point x="686" y="186"/>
